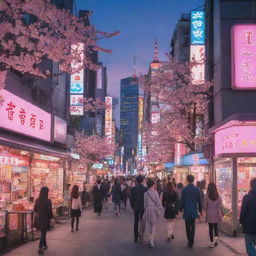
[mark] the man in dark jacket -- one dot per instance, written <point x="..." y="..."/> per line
<point x="190" y="204"/>
<point x="137" y="204"/>
<point x="248" y="219"/>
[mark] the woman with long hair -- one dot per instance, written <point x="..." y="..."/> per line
<point x="213" y="207"/>
<point x="43" y="210"/>
<point x="170" y="203"/>
<point x="153" y="210"/>
<point x="76" y="207"/>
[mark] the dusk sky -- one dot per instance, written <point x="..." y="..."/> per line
<point x="140" y="22"/>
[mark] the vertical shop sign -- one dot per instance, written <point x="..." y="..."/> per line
<point x="77" y="81"/>
<point x="197" y="27"/>
<point x="197" y="61"/>
<point x="243" y="38"/>
<point x="108" y="119"/>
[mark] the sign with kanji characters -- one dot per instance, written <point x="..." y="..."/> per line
<point x="140" y="112"/>
<point x="197" y="61"/>
<point x="197" y="27"/>
<point x="244" y="56"/>
<point x="76" y="100"/>
<point x="76" y="110"/>
<point x="23" y="117"/>
<point x="108" y="119"/>
<point x="155" y="117"/>
<point x="235" y="139"/>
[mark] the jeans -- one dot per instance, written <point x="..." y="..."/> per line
<point x="138" y="219"/>
<point x="190" y="230"/>
<point x="42" y="242"/>
<point x="250" y="243"/>
<point x="213" y="227"/>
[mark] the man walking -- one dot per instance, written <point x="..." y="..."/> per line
<point x="137" y="204"/>
<point x="190" y="204"/>
<point x="248" y="219"/>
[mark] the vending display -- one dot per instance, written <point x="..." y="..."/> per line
<point x="50" y="174"/>
<point x="224" y="184"/>
<point x="19" y="183"/>
<point x="246" y="172"/>
<point x="5" y="183"/>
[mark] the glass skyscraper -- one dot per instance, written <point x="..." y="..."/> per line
<point x="129" y="115"/>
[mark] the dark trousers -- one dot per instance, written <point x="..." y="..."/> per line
<point x="73" y="221"/>
<point x="138" y="214"/>
<point x="190" y="230"/>
<point x="213" y="227"/>
<point x="42" y="242"/>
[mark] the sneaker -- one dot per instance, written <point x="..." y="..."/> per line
<point x="135" y="239"/>
<point x="151" y="245"/>
<point x="40" y="252"/>
<point x="141" y="239"/>
<point x="216" y="241"/>
<point x="45" y="248"/>
<point x="211" y="245"/>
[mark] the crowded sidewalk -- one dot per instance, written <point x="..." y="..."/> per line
<point x="110" y="235"/>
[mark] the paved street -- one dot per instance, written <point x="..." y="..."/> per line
<point x="109" y="235"/>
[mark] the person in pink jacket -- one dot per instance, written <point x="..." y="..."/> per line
<point x="213" y="206"/>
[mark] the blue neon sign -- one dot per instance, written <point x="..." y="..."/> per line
<point x="197" y="27"/>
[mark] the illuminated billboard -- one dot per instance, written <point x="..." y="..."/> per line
<point x="244" y="56"/>
<point x="108" y="118"/>
<point x="197" y="61"/>
<point x="197" y="28"/>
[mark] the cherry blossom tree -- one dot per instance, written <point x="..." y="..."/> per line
<point x="93" y="149"/>
<point x="182" y="104"/>
<point x="34" y="30"/>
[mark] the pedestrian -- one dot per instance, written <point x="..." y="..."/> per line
<point x="170" y="203"/>
<point x="105" y="191"/>
<point x="124" y="193"/>
<point x="43" y="210"/>
<point x="213" y="208"/>
<point x="190" y="205"/>
<point x="76" y="207"/>
<point x="137" y="204"/>
<point x="116" y="196"/>
<point x="159" y="187"/>
<point x="199" y="185"/>
<point x="153" y="210"/>
<point x="97" y="197"/>
<point x="248" y="219"/>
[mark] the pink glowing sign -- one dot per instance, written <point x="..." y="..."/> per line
<point x="23" y="117"/>
<point x="235" y="139"/>
<point x="244" y="56"/>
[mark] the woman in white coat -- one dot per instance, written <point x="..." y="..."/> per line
<point x="153" y="210"/>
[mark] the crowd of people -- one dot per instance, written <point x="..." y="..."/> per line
<point x="151" y="200"/>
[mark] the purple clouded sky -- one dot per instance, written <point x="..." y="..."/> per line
<point x="140" y="22"/>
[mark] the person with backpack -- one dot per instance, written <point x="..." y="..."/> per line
<point x="190" y="204"/>
<point x="248" y="219"/>
<point x="76" y="207"/>
<point x="170" y="204"/>
<point x="213" y="207"/>
<point x="43" y="210"/>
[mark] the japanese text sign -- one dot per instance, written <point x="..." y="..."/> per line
<point x="236" y="139"/>
<point x="244" y="56"/>
<point x="108" y="119"/>
<point x="197" y="60"/>
<point x="197" y="27"/>
<point x="23" y="117"/>
<point x="140" y="112"/>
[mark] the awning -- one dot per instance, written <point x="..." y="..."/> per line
<point x="33" y="146"/>
<point x="194" y="158"/>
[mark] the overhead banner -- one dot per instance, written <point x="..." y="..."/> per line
<point x="23" y="117"/>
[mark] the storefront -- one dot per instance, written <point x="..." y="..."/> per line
<point x="234" y="167"/>
<point x="180" y="174"/>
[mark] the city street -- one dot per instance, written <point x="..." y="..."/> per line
<point x="109" y="235"/>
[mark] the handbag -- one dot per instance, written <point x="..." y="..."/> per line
<point x="159" y="210"/>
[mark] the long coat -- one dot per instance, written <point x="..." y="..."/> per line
<point x="43" y="209"/>
<point x="116" y="193"/>
<point x="213" y="210"/>
<point x="97" y="198"/>
<point x="248" y="213"/>
<point x="170" y="203"/>
<point x="153" y="207"/>
<point x="190" y="202"/>
<point x="137" y="197"/>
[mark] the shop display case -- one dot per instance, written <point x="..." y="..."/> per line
<point x="223" y="168"/>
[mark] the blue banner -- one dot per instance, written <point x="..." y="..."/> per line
<point x="197" y="27"/>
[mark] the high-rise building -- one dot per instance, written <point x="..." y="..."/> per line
<point x="129" y="115"/>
